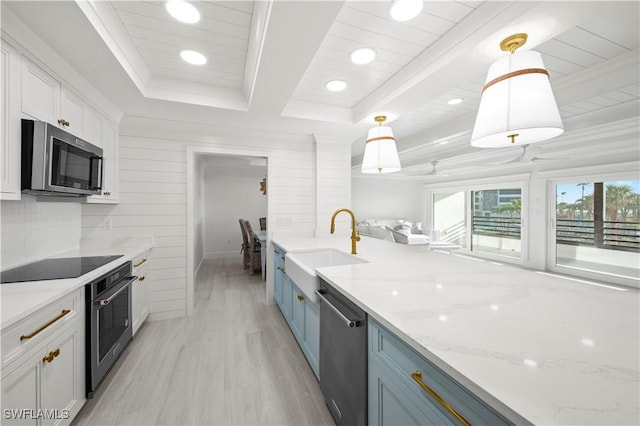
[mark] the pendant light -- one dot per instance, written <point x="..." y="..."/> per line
<point x="380" y="152"/>
<point x="517" y="104"/>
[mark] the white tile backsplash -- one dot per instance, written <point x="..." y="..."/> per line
<point x="33" y="229"/>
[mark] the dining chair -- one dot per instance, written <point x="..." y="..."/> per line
<point x="245" y="244"/>
<point x="253" y="249"/>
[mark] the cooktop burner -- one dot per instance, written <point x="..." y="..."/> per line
<point x="55" y="268"/>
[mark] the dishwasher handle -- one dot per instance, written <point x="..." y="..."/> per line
<point x="349" y="322"/>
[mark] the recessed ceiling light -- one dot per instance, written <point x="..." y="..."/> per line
<point x="362" y="56"/>
<point x="192" y="57"/>
<point x="183" y="11"/>
<point x="403" y="10"/>
<point x="455" y="101"/>
<point x="336" y="85"/>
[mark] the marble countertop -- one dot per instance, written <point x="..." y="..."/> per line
<point x="18" y="300"/>
<point x="538" y="347"/>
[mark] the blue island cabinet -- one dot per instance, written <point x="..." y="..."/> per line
<point x="405" y="388"/>
<point x="302" y="315"/>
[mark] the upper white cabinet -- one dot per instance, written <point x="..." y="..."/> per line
<point x="109" y="145"/>
<point x="40" y="98"/>
<point x="31" y="92"/>
<point x="9" y="123"/>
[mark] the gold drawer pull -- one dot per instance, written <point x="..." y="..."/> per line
<point x="63" y="122"/>
<point x="51" y="356"/>
<point x="417" y="377"/>
<point x="142" y="278"/>
<point x="300" y="298"/>
<point x="29" y="336"/>
<point x="140" y="263"/>
<point x="280" y="268"/>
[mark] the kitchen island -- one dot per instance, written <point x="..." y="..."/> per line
<point x="536" y="347"/>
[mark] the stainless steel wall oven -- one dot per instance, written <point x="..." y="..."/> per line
<point x="109" y="325"/>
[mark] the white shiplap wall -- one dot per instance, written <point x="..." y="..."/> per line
<point x="153" y="198"/>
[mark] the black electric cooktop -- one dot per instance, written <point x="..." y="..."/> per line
<point x="55" y="268"/>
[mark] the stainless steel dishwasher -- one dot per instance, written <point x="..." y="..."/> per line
<point x="343" y="356"/>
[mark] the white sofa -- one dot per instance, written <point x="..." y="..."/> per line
<point x="399" y="230"/>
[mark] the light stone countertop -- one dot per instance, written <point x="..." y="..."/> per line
<point x="18" y="300"/>
<point x="537" y="347"/>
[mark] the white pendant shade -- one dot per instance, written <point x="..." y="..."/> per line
<point x="517" y="105"/>
<point x="380" y="152"/>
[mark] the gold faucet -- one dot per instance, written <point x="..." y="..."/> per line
<point x="355" y="236"/>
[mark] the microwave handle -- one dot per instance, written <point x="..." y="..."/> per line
<point x="100" y="161"/>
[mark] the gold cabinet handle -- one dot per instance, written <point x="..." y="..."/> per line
<point x="140" y="263"/>
<point x="63" y="122"/>
<point x="142" y="278"/>
<point x="280" y="268"/>
<point x="300" y="298"/>
<point x="51" y="356"/>
<point x="417" y="377"/>
<point x="282" y="257"/>
<point x="29" y="336"/>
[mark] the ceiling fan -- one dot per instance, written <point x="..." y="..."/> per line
<point x="528" y="155"/>
<point x="418" y="170"/>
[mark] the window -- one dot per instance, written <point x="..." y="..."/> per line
<point x="598" y="227"/>
<point x="449" y="219"/>
<point x="496" y="221"/>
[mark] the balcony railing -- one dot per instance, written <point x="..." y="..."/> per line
<point x="615" y="235"/>
<point x="496" y="226"/>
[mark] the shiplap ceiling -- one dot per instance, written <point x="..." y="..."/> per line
<point x="269" y="61"/>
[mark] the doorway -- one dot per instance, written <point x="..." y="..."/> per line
<point x="223" y="186"/>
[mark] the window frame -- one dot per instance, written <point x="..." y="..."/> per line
<point x="515" y="182"/>
<point x="586" y="176"/>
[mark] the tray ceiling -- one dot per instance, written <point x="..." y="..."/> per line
<point x="268" y="62"/>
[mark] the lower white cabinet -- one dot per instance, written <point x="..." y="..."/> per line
<point x="43" y="378"/>
<point x="140" y="291"/>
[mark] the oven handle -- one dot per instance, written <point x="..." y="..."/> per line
<point x="349" y="322"/>
<point x="104" y="302"/>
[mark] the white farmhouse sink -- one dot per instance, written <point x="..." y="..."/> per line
<point x="301" y="267"/>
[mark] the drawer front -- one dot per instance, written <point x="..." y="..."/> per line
<point x="37" y="327"/>
<point x="140" y="263"/>
<point x="416" y="373"/>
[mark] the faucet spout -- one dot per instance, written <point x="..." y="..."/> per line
<point x="355" y="236"/>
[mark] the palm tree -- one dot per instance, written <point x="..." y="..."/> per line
<point x="619" y="199"/>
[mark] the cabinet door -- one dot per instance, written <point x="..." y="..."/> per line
<point x="297" y="313"/>
<point x="9" y="123"/>
<point x="92" y="126"/>
<point x="20" y="392"/>
<point x="286" y="296"/>
<point x="390" y="405"/>
<point x="40" y="93"/>
<point x="62" y="387"/>
<point x="109" y="145"/>
<point x="71" y="114"/>
<point x="312" y="335"/>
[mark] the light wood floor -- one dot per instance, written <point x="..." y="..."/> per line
<point x="235" y="362"/>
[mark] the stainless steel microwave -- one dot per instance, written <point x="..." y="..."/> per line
<point x="55" y="162"/>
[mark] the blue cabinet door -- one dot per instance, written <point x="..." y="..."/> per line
<point x="278" y="262"/>
<point x="286" y="297"/>
<point x="297" y="313"/>
<point x="312" y="335"/>
<point x="404" y="384"/>
<point x="389" y="403"/>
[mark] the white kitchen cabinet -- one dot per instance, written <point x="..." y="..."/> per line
<point x="9" y="123"/>
<point x="43" y="371"/>
<point x="109" y="144"/>
<point x="140" y="292"/>
<point x="71" y="117"/>
<point x="40" y="95"/>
